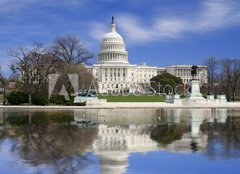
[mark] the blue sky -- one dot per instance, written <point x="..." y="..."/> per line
<point x="159" y="32"/>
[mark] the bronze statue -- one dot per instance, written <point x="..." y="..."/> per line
<point x="112" y="19"/>
<point x="194" y="71"/>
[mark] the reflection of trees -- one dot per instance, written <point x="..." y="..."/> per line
<point x="39" y="118"/>
<point x="166" y="134"/>
<point x="56" y="144"/>
<point x="226" y="136"/>
<point x="51" y="138"/>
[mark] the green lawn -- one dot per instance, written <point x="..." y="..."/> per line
<point x="133" y="98"/>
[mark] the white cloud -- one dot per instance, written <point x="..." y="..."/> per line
<point x="98" y="30"/>
<point x="213" y="15"/>
<point x="10" y="6"/>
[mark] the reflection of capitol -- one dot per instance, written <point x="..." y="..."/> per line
<point x="121" y="132"/>
<point x="114" y="143"/>
<point x="115" y="134"/>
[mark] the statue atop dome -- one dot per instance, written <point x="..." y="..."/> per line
<point x="112" y="20"/>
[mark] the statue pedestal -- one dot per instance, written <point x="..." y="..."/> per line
<point x="169" y="98"/>
<point x="210" y="97"/>
<point x="195" y="90"/>
<point x="194" y="97"/>
<point x="176" y="96"/>
<point x="222" y="99"/>
<point x="173" y="99"/>
<point x="176" y="99"/>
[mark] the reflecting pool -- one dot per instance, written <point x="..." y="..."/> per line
<point x="120" y="141"/>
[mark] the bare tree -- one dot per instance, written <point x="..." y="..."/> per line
<point x="33" y="66"/>
<point x="70" y="49"/>
<point x="230" y="76"/>
<point x="3" y="82"/>
<point x="212" y="66"/>
<point x="72" y="56"/>
<point x="44" y="64"/>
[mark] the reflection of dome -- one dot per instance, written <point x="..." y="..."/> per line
<point x="113" y="162"/>
<point x="112" y="48"/>
<point x="115" y="143"/>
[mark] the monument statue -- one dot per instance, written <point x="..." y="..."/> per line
<point x="194" y="71"/>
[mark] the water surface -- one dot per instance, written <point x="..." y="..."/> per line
<point x="117" y="141"/>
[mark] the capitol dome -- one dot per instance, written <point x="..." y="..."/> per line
<point x="112" y="48"/>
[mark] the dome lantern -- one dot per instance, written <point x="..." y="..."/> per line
<point x="112" y="28"/>
<point x="112" y="48"/>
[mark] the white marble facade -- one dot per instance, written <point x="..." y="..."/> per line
<point x="115" y="74"/>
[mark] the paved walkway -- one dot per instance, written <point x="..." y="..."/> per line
<point x="110" y="105"/>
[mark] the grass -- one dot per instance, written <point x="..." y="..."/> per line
<point x="133" y="98"/>
<point x="1" y="97"/>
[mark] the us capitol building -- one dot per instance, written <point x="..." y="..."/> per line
<point x="115" y="74"/>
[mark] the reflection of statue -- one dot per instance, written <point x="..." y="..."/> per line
<point x="194" y="146"/>
<point x="194" y="71"/>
